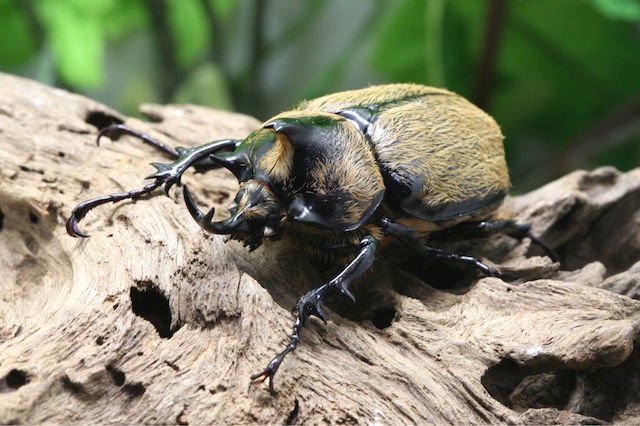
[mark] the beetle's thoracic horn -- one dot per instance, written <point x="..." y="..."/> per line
<point x="235" y="223"/>
<point x="238" y="164"/>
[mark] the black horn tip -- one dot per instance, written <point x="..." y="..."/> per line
<point x="191" y="204"/>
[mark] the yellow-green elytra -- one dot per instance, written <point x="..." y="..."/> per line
<point x="352" y="170"/>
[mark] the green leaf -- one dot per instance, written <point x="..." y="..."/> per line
<point x="123" y="17"/>
<point x="16" y="43"/>
<point x="433" y="42"/>
<point x="223" y="8"/>
<point x="190" y="30"/>
<point x="562" y="76"/>
<point x="628" y="10"/>
<point x="400" y="48"/>
<point x="75" y="34"/>
<point x="205" y="85"/>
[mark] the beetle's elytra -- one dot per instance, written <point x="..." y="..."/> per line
<point x="352" y="170"/>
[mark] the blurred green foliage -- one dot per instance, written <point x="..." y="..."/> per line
<point x="561" y="77"/>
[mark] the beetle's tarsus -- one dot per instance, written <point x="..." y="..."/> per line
<point x="553" y="255"/>
<point x="81" y="210"/>
<point x="114" y="132"/>
<point x="309" y="304"/>
<point x="487" y="228"/>
<point x="454" y="257"/>
<point x="411" y="237"/>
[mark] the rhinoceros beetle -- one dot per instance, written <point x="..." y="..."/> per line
<point x="351" y="169"/>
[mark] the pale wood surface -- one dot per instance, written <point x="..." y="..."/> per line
<point x="73" y="351"/>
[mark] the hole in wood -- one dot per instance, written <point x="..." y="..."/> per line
<point x="383" y="317"/>
<point x="15" y="379"/>
<point x="148" y="302"/>
<point x="521" y="387"/>
<point x="117" y="376"/>
<point x="548" y="383"/>
<point x="33" y="218"/>
<point x="100" y="119"/>
<point x="134" y="389"/>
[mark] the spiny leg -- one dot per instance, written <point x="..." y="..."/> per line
<point x="309" y="304"/>
<point x="487" y="228"/>
<point x="168" y="174"/>
<point x="411" y="238"/>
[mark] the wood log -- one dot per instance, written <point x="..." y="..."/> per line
<point x="153" y="321"/>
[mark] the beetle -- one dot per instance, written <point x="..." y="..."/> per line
<point x="351" y="170"/>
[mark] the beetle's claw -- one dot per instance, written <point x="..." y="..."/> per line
<point x="113" y="132"/>
<point x="73" y="229"/>
<point x="269" y="373"/>
<point x="547" y="249"/>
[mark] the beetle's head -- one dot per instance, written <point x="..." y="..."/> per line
<point x="255" y="214"/>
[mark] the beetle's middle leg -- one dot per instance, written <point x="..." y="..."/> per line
<point x="309" y="304"/>
<point x="168" y="174"/>
<point x="410" y="236"/>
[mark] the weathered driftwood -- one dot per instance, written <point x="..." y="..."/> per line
<point x="152" y="321"/>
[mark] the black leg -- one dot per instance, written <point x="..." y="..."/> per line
<point x="167" y="174"/>
<point x="115" y="131"/>
<point x="487" y="228"/>
<point x="309" y="304"/>
<point x="410" y="237"/>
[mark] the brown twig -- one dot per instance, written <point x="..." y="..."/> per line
<point x="169" y="71"/>
<point x="486" y="65"/>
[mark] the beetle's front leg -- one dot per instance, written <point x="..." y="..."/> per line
<point x="114" y="132"/>
<point x="167" y="174"/>
<point x="309" y="304"/>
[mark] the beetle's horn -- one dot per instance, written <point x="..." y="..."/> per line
<point x="233" y="224"/>
<point x="238" y="164"/>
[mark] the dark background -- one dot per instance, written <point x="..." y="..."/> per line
<point x="562" y="77"/>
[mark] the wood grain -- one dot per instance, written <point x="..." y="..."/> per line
<point x="152" y="321"/>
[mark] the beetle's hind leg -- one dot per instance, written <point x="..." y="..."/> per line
<point x="487" y="228"/>
<point x="309" y="304"/>
<point x="411" y="238"/>
<point x="168" y="174"/>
